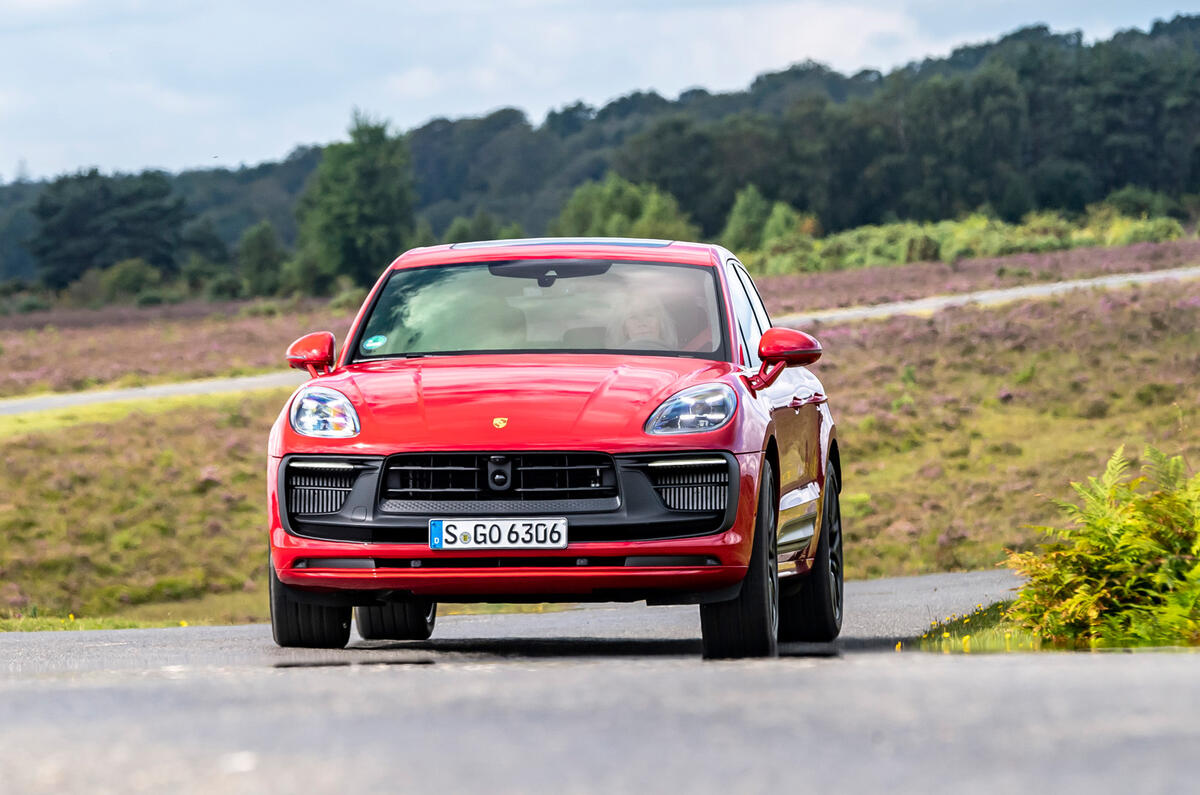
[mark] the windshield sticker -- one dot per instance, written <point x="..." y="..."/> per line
<point x="371" y="343"/>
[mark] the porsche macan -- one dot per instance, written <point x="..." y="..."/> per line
<point x="557" y="420"/>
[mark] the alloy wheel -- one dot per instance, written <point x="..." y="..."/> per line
<point x="835" y="557"/>
<point x="770" y="528"/>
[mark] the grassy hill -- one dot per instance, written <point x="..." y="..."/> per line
<point x="955" y="431"/>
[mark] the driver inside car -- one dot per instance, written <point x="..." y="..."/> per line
<point x="646" y="324"/>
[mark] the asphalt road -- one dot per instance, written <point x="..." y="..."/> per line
<point x="921" y="306"/>
<point x="599" y="699"/>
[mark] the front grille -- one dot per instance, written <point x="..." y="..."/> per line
<point x="312" y="489"/>
<point x="540" y="481"/>
<point x="691" y="485"/>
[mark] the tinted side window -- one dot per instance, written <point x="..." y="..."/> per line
<point x="744" y="314"/>
<point x="756" y="302"/>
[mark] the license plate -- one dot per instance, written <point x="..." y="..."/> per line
<point x="533" y="533"/>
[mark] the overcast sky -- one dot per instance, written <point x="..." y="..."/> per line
<point x="131" y="84"/>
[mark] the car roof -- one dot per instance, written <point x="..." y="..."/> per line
<point x="558" y="247"/>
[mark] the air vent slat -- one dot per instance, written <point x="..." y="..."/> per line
<point x="312" y="490"/>
<point x="700" y="487"/>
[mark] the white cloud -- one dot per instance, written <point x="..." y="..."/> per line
<point x="167" y="101"/>
<point x="415" y="82"/>
<point x="11" y="101"/>
<point x="37" y="7"/>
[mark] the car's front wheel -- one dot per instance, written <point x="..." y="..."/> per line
<point x="814" y="611"/>
<point x="748" y="626"/>
<point x="408" y="619"/>
<point x="296" y="623"/>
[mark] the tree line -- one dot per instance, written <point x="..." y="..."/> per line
<point x="1035" y="120"/>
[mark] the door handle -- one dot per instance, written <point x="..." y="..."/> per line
<point x="814" y="399"/>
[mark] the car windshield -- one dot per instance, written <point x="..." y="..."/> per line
<point x="569" y="305"/>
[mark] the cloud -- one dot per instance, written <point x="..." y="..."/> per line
<point x="415" y="82"/>
<point x="11" y="101"/>
<point x="37" y="7"/>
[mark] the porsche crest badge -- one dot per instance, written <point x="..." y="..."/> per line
<point x="499" y="422"/>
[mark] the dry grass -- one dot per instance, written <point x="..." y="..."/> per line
<point x="955" y="429"/>
<point x="804" y="292"/>
<point x="138" y="349"/>
<point x="68" y="350"/>
<point x="152" y="508"/>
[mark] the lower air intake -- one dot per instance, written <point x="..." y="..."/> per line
<point x="313" y="490"/>
<point x="701" y="486"/>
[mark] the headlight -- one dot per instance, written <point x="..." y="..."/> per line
<point x="698" y="408"/>
<point x="318" y="411"/>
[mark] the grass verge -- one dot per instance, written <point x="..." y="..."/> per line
<point x="117" y="411"/>
<point x="982" y="631"/>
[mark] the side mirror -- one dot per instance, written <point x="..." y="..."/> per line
<point x="780" y="348"/>
<point x="312" y="352"/>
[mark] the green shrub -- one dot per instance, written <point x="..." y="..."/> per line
<point x="744" y="226"/>
<point x="31" y="302"/>
<point x="260" y="309"/>
<point x="1126" y="569"/>
<point x="921" y="248"/>
<point x="85" y="292"/>
<point x="260" y="255"/>
<point x="11" y="287"/>
<point x="197" y="272"/>
<point x="224" y="288"/>
<point x="306" y="274"/>
<point x="1124" y="231"/>
<point x="614" y="208"/>
<point x="1155" y="394"/>
<point x="128" y="278"/>
<point x="794" y="247"/>
<point x="348" y="297"/>
<point x="348" y="300"/>
<point x="1137" y="202"/>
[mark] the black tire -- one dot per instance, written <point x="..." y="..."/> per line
<point x="410" y="619"/>
<point x="814" y="612"/>
<point x="295" y="623"/>
<point x="748" y="626"/>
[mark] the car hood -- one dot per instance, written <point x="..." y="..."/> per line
<point x="529" y="400"/>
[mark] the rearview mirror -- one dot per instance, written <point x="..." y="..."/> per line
<point x="312" y="352"/>
<point x="780" y="348"/>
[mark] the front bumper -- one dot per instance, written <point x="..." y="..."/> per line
<point x="680" y="568"/>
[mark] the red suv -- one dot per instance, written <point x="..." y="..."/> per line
<point x="557" y="420"/>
